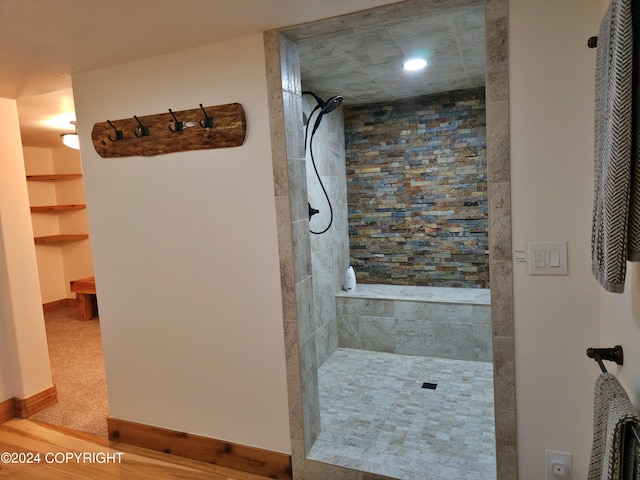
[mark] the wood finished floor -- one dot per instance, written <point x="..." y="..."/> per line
<point x="27" y="437"/>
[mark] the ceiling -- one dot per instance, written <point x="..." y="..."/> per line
<point x="360" y="56"/>
<point x="44" y="42"/>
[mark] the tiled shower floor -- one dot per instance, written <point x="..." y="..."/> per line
<point x="377" y="417"/>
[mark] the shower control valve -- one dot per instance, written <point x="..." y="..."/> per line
<point x="312" y="211"/>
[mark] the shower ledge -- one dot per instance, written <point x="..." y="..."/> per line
<point x="472" y="296"/>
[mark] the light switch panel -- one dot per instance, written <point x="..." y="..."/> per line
<point x="548" y="258"/>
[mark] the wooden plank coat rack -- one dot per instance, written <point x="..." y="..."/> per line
<point x="200" y="128"/>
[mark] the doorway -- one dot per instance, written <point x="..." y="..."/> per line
<point x="63" y="254"/>
<point x="296" y="278"/>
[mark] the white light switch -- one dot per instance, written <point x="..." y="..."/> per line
<point x="548" y="258"/>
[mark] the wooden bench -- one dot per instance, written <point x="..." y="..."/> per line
<point x="86" y="301"/>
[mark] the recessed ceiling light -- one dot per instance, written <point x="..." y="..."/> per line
<point x="415" y="64"/>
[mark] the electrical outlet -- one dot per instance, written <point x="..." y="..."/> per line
<point x="559" y="469"/>
<point x="558" y="465"/>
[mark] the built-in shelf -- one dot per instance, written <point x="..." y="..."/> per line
<point x="57" y="208"/>
<point x="63" y="238"/>
<point x="59" y="176"/>
<point x="69" y="237"/>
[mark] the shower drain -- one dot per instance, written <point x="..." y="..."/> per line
<point x="430" y="386"/>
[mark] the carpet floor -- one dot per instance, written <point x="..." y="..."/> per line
<point x="77" y="369"/>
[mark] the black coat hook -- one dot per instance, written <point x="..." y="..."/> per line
<point x="141" y="131"/>
<point x="208" y="121"/>
<point x="119" y="135"/>
<point x="177" y="126"/>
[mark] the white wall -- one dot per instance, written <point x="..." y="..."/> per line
<point x="556" y="318"/>
<point x="24" y="359"/>
<point x="185" y="252"/>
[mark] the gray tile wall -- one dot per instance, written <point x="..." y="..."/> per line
<point x="459" y="331"/>
<point x="329" y="250"/>
<point x="289" y="172"/>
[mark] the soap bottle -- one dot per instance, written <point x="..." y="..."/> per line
<point x="350" y="280"/>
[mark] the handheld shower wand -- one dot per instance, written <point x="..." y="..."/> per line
<point x="327" y="107"/>
<point x="324" y="107"/>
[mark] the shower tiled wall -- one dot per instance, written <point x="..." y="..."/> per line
<point x="452" y="323"/>
<point x="290" y="191"/>
<point x="329" y="250"/>
<point x="417" y="190"/>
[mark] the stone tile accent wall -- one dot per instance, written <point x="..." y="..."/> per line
<point x="417" y="190"/>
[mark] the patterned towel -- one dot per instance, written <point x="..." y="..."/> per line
<point x="615" y="236"/>
<point x="612" y="412"/>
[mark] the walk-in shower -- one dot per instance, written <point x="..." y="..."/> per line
<point x="328" y="257"/>
<point x="410" y="333"/>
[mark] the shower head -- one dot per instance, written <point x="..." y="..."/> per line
<point x="331" y="104"/>
<point x="328" y="106"/>
<point x="325" y="107"/>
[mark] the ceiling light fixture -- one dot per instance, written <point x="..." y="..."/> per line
<point x="414" y="64"/>
<point x="71" y="139"/>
